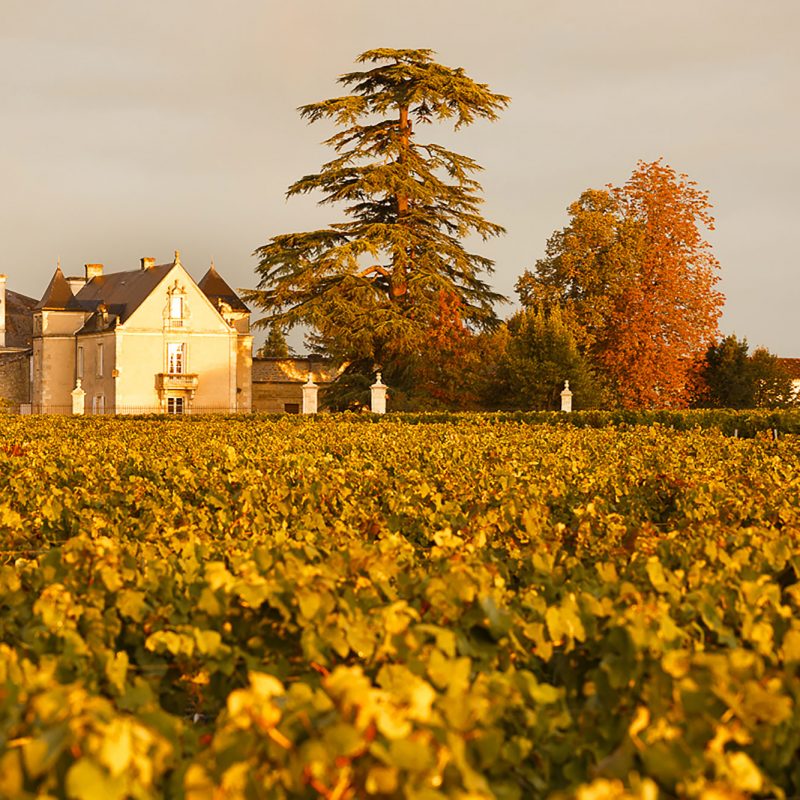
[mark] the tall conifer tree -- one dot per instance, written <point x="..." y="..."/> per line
<point x="372" y="286"/>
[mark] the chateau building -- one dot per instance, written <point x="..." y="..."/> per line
<point x="148" y="340"/>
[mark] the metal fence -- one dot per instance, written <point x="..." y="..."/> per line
<point x="66" y="411"/>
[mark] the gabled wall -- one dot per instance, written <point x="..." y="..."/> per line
<point x="211" y="352"/>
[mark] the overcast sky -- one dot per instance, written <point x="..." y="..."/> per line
<point x="132" y="129"/>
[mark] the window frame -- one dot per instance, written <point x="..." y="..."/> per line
<point x="176" y="356"/>
<point x="176" y="309"/>
<point x="176" y="405"/>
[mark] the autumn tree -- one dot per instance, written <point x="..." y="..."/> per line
<point x="371" y="286"/>
<point x="458" y="370"/>
<point x="635" y="278"/>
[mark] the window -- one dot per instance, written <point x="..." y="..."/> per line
<point x="291" y="408"/>
<point x="100" y="359"/>
<point x="176" y="358"/>
<point x="79" y="364"/>
<point x="174" y="405"/>
<point x="176" y="310"/>
<point x="99" y="404"/>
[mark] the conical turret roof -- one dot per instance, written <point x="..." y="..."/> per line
<point x="214" y="287"/>
<point x="58" y="296"/>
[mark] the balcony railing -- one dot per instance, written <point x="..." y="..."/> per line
<point x="176" y="381"/>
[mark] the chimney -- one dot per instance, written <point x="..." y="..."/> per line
<point x="93" y="271"/>
<point x="148" y="263"/>
<point x="3" y="280"/>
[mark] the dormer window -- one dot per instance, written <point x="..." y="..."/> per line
<point x="176" y="312"/>
<point x="176" y="307"/>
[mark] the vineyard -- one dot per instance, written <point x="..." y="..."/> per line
<point x="464" y="609"/>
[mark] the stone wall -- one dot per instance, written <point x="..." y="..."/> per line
<point x="14" y="380"/>
<point x="278" y="382"/>
<point x="277" y="398"/>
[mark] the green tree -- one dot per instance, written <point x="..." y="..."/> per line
<point x="541" y="353"/>
<point x="727" y="375"/>
<point x="586" y="268"/>
<point x="370" y="286"/>
<point x="275" y="345"/>
<point x="772" y="383"/>
<point x="735" y="378"/>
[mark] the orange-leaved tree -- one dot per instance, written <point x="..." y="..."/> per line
<point x="457" y="369"/>
<point x="636" y="279"/>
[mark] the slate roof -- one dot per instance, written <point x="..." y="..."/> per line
<point x="294" y="370"/>
<point x="97" y="322"/>
<point x="214" y="287"/>
<point x="58" y="296"/>
<point x="121" y="292"/>
<point x="19" y="319"/>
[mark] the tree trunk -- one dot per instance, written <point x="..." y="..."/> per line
<point x="398" y="280"/>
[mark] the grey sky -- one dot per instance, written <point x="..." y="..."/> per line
<point x="132" y="129"/>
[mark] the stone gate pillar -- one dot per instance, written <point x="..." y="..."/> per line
<point x="78" y="398"/>
<point x="310" y="399"/>
<point x="378" y="396"/>
<point x="566" y="398"/>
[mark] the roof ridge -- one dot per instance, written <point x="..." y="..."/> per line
<point x="125" y="291"/>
